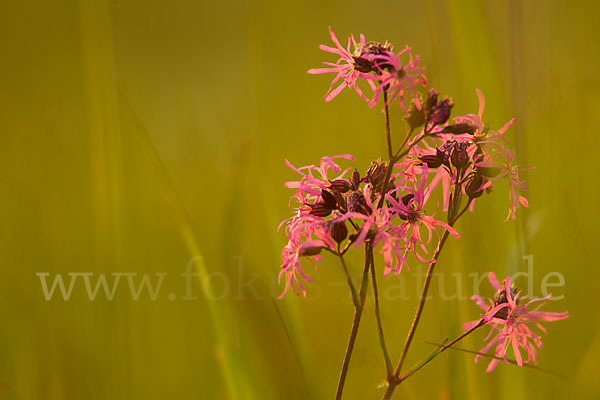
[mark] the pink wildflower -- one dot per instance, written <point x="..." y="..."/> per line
<point x="348" y="67"/>
<point x="511" y="172"/>
<point x="395" y="78"/>
<point x="385" y="232"/>
<point x="410" y="209"/>
<point x="510" y="321"/>
<point x="491" y="140"/>
<point x="311" y="185"/>
<point x="300" y="230"/>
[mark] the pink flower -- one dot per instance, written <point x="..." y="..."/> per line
<point x="395" y="78"/>
<point x="309" y="186"/>
<point x="291" y="268"/>
<point x="410" y="209"/>
<point x="510" y="321"/>
<point x="511" y="172"/>
<point x="300" y="230"/>
<point x="347" y="68"/>
<point x="491" y="140"/>
<point x="385" y="232"/>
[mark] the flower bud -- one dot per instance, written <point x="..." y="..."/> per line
<point x="357" y="203"/>
<point x="341" y="185"/>
<point x="459" y="156"/>
<point x="415" y="117"/>
<point x="431" y="101"/>
<point x="376" y="173"/>
<point x="340" y="200"/>
<point x="355" y="179"/>
<point x="338" y="231"/>
<point x="457" y="129"/>
<point x="441" y="112"/>
<point x="328" y="199"/>
<point x="474" y="187"/>
<point x="319" y="209"/>
<point x="432" y="160"/>
<point x="502" y="298"/>
<point x="309" y="251"/>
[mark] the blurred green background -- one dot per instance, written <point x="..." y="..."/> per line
<point x="137" y="135"/>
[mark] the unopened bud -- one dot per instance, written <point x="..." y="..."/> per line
<point x="309" y="251"/>
<point x="338" y="231"/>
<point x="459" y="156"/>
<point x="320" y="209"/>
<point x="415" y="117"/>
<point x="339" y="199"/>
<point x="432" y="160"/>
<point x="328" y="199"/>
<point x="457" y="129"/>
<point x="441" y="112"/>
<point x="355" y="179"/>
<point x="376" y="173"/>
<point x="474" y="187"/>
<point x="341" y="185"/>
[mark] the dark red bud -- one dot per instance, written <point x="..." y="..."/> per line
<point x="310" y="251"/>
<point x="328" y="199"/>
<point x="340" y="185"/>
<point x="339" y="199"/>
<point x="320" y="209"/>
<point x="459" y="157"/>
<point x="376" y="173"/>
<point x="355" y="179"/>
<point x="338" y="231"/>
<point x="457" y="129"/>
<point x="432" y="160"/>
<point x="474" y="187"/>
<point x="441" y="112"/>
<point x="431" y="101"/>
<point x="357" y="203"/>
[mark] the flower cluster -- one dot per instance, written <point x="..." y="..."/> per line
<point x="388" y="207"/>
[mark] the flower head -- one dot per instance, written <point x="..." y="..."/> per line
<point x="307" y="235"/>
<point x="499" y="170"/>
<point x="347" y="68"/>
<point x="510" y="321"/>
<point x="379" y="227"/>
<point x="490" y="141"/>
<point x="410" y="208"/>
<point x="396" y="78"/>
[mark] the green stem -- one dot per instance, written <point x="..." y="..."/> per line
<point x="396" y="381"/>
<point x="436" y="353"/>
<point x="388" y="134"/>
<point x="356" y="322"/>
<point x="350" y="283"/>
<point x="386" y="356"/>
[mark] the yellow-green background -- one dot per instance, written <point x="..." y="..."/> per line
<point x="138" y="134"/>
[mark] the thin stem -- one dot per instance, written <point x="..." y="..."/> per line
<point x="411" y="333"/>
<point x="356" y="322"/>
<point x="464" y="209"/>
<point x="386" y="356"/>
<point x="417" y="317"/>
<point x="388" y="134"/>
<point x="350" y="283"/>
<point x="408" y="134"/>
<point x="509" y="360"/>
<point x="441" y="349"/>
